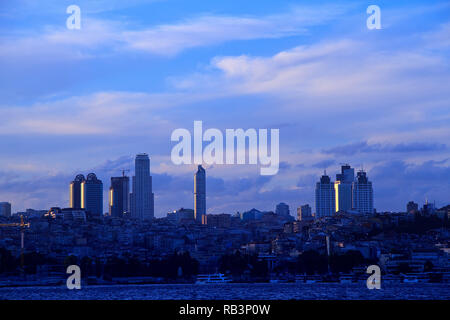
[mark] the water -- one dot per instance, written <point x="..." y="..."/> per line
<point x="263" y="291"/>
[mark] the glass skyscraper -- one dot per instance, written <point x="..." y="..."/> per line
<point x="92" y="195"/>
<point x="119" y="194"/>
<point x="75" y="192"/>
<point x="325" y="197"/>
<point x="362" y="193"/>
<point x="142" y="197"/>
<point x="343" y="188"/>
<point x="199" y="194"/>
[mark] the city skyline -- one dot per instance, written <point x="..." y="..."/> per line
<point x="84" y="100"/>
<point x="328" y="194"/>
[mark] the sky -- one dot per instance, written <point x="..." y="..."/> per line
<point x="88" y="100"/>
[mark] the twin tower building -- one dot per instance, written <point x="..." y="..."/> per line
<point x="346" y="194"/>
<point x="87" y="193"/>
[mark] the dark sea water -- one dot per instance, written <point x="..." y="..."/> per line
<point x="264" y="291"/>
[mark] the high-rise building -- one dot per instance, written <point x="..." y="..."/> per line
<point x="362" y="193"/>
<point x="5" y="209"/>
<point x="75" y="192"/>
<point x="282" y="209"/>
<point x="92" y="195"/>
<point x="412" y="207"/>
<point x="199" y="194"/>
<point x="325" y="197"/>
<point x="119" y="194"/>
<point x="304" y="213"/>
<point x="343" y="188"/>
<point x="142" y="197"/>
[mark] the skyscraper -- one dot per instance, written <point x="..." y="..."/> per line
<point x="362" y="193"/>
<point x="92" y="195"/>
<point x="75" y="192"/>
<point x="282" y="209"/>
<point x="142" y="197"/>
<point x="119" y="194"/>
<point x="199" y="194"/>
<point x="325" y="197"/>
<point x="343" y="188"/>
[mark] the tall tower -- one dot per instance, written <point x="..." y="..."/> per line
<point x="119" y="194"/>
<point x="142" y="197"/>
<point x="325" y="197"/>
<point x="92" y="195"/>
<point x="199" y="194"/>
<point x="362" y="193"/>
<point x="75" y="192"/>
<point x="343" y="188"/>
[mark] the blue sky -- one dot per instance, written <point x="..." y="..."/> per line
<point x="88" y="100"/>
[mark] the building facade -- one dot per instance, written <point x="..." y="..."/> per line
<point x="5" y="209"/>
<point x="304" y="213"/>
<point x="343" y="188"/>
<point x="142" y="197"/>
<point x="119" y="194"/>
<point x="199" y="194"/>
<point x="75" y="192"/>
<point x="325" y="197"/>
<point x="282" y="209"/>
<point x="92" y="195"/>
<point x="362" y="193"/>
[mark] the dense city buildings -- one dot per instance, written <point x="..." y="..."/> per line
<point x="119" y="194"/>
<point x="142" y="197"/>
<point x="92" y="195"/>
<point x="222" y="220"/>
<point x="325" y="197"/>
<point x="75" y="191"/>
<point x="338" y="242"/>
<point x="199" y="194"/>
<point x="181" y="216"/>
<point x="343" y="188"/>
<point x="362" y="194"/>
<point x="282" y="209"/>
<point x="5" y="209"/>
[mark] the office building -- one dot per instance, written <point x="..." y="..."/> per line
<point x="282" y="209"/>
<point x="304" y="213"/>
<point x="119" y="194"/>
<point x="75" y="192"/>
<point x="142" y="197"/>
<point x="199" y="194"/>
<point x="362" y="194"/>
<point x="92" y="195"/>
<point x="5" y="209"/>
<point x="325" y="197"/>
<point x="343" y="188"/>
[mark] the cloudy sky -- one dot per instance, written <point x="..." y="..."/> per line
<point x="88" y="100"/>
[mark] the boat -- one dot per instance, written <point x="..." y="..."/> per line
<point x="212" y="278"/>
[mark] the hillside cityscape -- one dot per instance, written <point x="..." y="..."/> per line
<point x="336" y="242"/>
